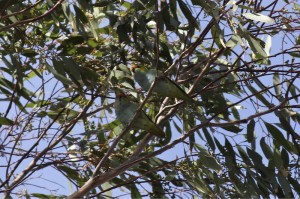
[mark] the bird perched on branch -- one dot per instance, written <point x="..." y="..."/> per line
<point x="163" y="87"/>
<point x="126" y="108"/>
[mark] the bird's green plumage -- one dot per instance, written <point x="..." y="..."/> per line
<point x="164" y="87"/>
<point x="125" y="111"/>
<point x="144" y="77"/>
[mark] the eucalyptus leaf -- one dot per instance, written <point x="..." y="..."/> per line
<point x="259" y="17"/>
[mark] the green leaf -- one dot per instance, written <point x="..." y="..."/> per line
<point x="112" y="19"/>
<point x="220" y="146"/>
<point x="173" y="8"/>
<point x="80" y="15"/>
<point x="278" y="89"/>
<point x="255" y="157"/>
<point x="170" y="176"/>
<point x="233" y="129"/>
<point x="285" y="157"/>
<point x="294" y="54"/>
<point x="258" y="17"/>
<point x="43" y="196"/>
<point x="252" y="188"/>
<point x="210" y="7"/>
<point x="218" y="35"/>
<point x="92" y="43"/>
<point x="166" y="16"/>
<point x="191" y="141"/>
<point x="71" y="173"/>
<point x="122" y="33"/>
<point x="255" y="46"/>
<point x="89" y="76"/>
<point x="187" y="13"/>
<point x="58" y="76"/>
<point x="235" y="113"/>
<point x="7" y="63"/>
<point x="29" y="53"/>
<point x="244" y="156"/>
<point x="250" y="131"/>
<point x="266" y="149"/>
<point x="209" y="139"/>
<point x="210" y="162"/>
<point x="135" y="192"/>
<point x="295" y="184"/>
<point x="284" y="118"/>
<point x="277" y="135"/>
<point x="233" y="41"/>
<point x="58" y="66"/>
<point x="259" y="96"/>
<point x="12" y="18"/>
<point x="230" y="154"/>
<point x="268" y="45"/>
<point x="254" y="43"/>
<point x="22" y="92"/>
<point x="293" y="90"/>
<point x="102" y="3"/>
<point x="72" y="69"/>
<point x="166" y="52"/>
<point x="285" y="185"/>
<point x="108" y="185"/>
<point x="72" y="41"/>
<point x="160" y="23"/>
<point x="6" y="121"/>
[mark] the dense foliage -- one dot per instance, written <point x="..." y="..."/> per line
<point x="64" y="64"/>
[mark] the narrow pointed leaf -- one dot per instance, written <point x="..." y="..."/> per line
<point x="278" y="136"/>
<point x="250" y="131"/>
<point x="6" y="121"/>
<point x="259" y="17"/>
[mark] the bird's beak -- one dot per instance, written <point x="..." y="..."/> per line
<point x="133" y="67"/>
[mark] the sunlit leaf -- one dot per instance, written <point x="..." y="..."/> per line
<point x="276" y="81"/>
<point x="259" y="17"/>
<point x="255" y="46"/>
<point x="268" y="45"/>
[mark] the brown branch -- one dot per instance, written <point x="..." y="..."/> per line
<point x="21" y="11"/>
<point x="33" y="19"/>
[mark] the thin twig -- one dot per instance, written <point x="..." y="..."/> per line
<point x="33" y="19"/>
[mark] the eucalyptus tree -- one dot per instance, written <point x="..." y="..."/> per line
<point x="234" y="133"/>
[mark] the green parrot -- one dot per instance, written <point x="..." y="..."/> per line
<point x="126" y="109"/>
<point x="164" y="87"/>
